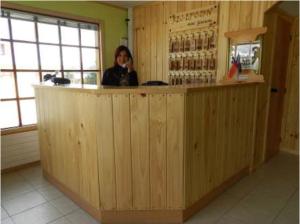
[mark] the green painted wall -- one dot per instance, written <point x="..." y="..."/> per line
<point x="113" y="19"/>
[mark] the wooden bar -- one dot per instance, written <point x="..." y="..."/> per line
<point x="146" y="154"/>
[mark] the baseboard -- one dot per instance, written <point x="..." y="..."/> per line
<point x="164" y="216"/>
<point x="290" y="151"/>
<point x="20" y="167"/>
<point x="202" y="202"/>
<point x="94" y="212"/>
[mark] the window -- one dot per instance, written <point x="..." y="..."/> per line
<point x="33" y="45"/>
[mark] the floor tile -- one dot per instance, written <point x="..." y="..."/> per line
<point x="7" y="221"/>
<point x="41" y="214"/>
<point x="50" y="192"/>
<point x="11" y="191"/>
<point x="24" y="202"/>
<point x="80" y="217"/>
<point x="64" y="205"/>
<point x="229" y="220"/>
<point x="290" y="213"/>
<point x="4" y="214"/>
<point x="255" y="209"/>
<point x="213" y="211"/>
<point x="38" y="182"/>
<point x="62" y="220"/>
<point x="244" y="186"/>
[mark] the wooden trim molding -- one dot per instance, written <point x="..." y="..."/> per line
<point x="10" y="131"/>
<point x="248" y="35"/>
<point x="20" y="167"/>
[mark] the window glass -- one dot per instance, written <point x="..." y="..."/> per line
<point x="90" y="77"/>
<point x="9" y="114"/>
<point x="37" y="45"/>
<point x="23" y="30"/>
<point x="71" y="58"/>
<point x="4" y="31"/>
<point x="28" y="112"/>
<point x="48" y="33"/>
<point x="7" y="85"/>
<point x="50" y="57"/>
<point x="26" y="56"/>
<point x="69" y="35"/>
<point x="5" y="55"/>
<point x="89" y="37"/>
<point x="90" y="58"/>
<point x="75" y="77"/>
<point x="25" y="82"/>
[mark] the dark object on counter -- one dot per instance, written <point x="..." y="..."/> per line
<point x="56" y="80"/>
<point x="154" y="83"/>
<point x="119" y="76"/>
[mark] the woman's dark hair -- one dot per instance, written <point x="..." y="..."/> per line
<point x="119" y="50"/>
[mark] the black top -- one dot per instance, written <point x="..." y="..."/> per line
<point x="119" y="76"/>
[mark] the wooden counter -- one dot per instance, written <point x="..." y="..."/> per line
<point x="145" y="154"/>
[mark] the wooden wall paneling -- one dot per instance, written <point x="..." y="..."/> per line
<point x="246" y="13"/>
<point x="252" y="125"/>
<point x="234" y="16"/>
<point x="175" y="141"/>
<point x="136" y="39"/>
<point x="154" y="35"/>
<point x="165" y="44"/>
<point x="41" y="128"/>
<point x="158" y="150"/>
<point x="223" y="42"/>
<point x="264" y="89"/>
<point x="258" y="9"/>
<point x="182" y="5"/>
<point x="221" y="134"/>
<point x="244" y="121"/>
<point x="122" y="145"/>
<point x="190" y="148"/>
<point x="55" y="135"/>
<point x="139" y="109"/>
<point x="290" y="121"/>
<point x="106" y="156"/>
<point x="160" y="51"/>
<point x="211" y="136"/>
<point x="229" y="121"/>
<point x="199" y="174"/>
<point x="169" y="8"/>
<point x="147" y="47"/>
<point x="88" y="156"/>
<point x="70" y="149"/>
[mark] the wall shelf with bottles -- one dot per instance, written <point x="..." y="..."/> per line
<point x="193" y="46"/>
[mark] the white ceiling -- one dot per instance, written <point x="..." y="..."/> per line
<point x="124" y="4"/>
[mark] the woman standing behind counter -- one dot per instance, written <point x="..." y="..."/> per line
<point x="122" y="73"/>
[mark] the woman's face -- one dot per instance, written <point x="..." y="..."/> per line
<point x="122" y="58"/>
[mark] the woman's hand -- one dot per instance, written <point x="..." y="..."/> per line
<point x="129" y="65"/>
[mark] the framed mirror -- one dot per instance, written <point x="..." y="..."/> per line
<point x="249" y="54"/>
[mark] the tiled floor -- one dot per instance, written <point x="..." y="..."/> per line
<point x="270" y="195"/>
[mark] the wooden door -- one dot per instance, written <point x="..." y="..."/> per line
<point x="278" y="81"/>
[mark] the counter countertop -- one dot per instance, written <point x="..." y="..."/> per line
<point x="142" y="89"/>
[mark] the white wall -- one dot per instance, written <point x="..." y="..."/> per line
<point x="18" y="149"/>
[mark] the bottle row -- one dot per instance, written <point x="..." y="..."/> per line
<point x="192" y="78"/>
<point x="204" y="40"/>
<point x="200" y="62"/>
